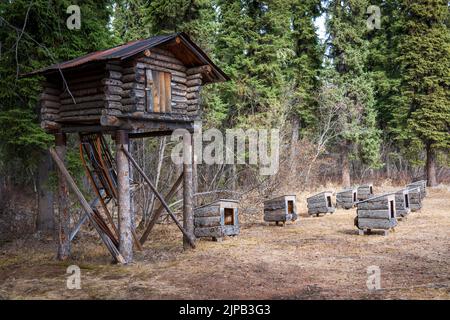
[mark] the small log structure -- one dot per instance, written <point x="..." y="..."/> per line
<point x="346" y="198"/>
<point x="376" y="213"/>
<point x="402" y="203"/>
<point x="422" y="184"/>
<point x="144" y="88"/>
<point x="280" y="209"/>
<point x="217" y="219"/>
<point x="365" y="192"/>
<point x="321" y="203"/>
<point x="415" y="197"/>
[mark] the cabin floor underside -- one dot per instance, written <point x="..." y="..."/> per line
<point x="147" y="125"/>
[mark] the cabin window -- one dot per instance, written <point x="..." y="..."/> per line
<point x="371" y="190"/>
<point x="290" y="207"/>
<point x="158" y="91"/>
<point x="354" y="196"/>
<point x="329" y="201"/>
<point x="406" y="201"/>
<point x="229" y="216"/>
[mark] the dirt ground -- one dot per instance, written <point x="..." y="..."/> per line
<point x="314" y="258"/>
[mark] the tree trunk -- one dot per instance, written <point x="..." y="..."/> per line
<point x="345" y="163"/>
<point x="188" y="210"/>
<point x="63" y="203"/>
<point x="431" y="167"/>
<point x="45" y="222"/>
<point x="123" y="186"/>
<point x="294" y="140"/>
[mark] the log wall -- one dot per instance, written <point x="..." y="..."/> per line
<point x="377" y="213"/>
<point x="402" y="203"/>
<point x="119" y="88"/>
<point x="209" y="220"/>
<point x="346" y="198"/>
<point x="277" y="209"/>
<point x="415" y="197"/>
<point x="320" y="203"/>
<point x="365" y="192"/>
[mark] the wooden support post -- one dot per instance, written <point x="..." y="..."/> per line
<point x="123" y="187"/>
<point x="190" y="237"/>
<point x="63" y="203"/>
<point x="87" y="208"/>
<point x="188" y="194"/>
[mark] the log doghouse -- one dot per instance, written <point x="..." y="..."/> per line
<point x="402" y="203"/>
<point x="376" y="213"/>
<point x="365" y="192"/>
<point x="415" y="197"/>
<point x="217" y="219"/>
<point x="422" y="184"/>
<point x="280" y="209"/>
<point x="321" y="203"/>
<point x="346" y="198"/>
<point x="144" y="88"/>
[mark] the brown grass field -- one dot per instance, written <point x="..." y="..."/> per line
<point x="314" y="258"/>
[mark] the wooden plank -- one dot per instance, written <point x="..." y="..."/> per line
<point x="207" y="211"/>
<point x="168" y="91"/>
<point x="209" y="232"/>
<point x="374" y="214"/>
<point x="319" y="210"/>
<point x="162" y="92"/>
<point x="376" y="223"/>
<point x="156" y="92"/>
<point x="207" y="221"/>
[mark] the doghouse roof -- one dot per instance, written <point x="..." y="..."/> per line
<point x="179" y="44"/>
<point x="216" y="202"/>
<point x="318" y="194"/>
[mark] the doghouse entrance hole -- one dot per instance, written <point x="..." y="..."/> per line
<point x="229" y="216"/>
<point x="391" y="208"/>
<point x="406" y="201"/>
<point x="329" y="201"/>
<point x="290" y="207"/>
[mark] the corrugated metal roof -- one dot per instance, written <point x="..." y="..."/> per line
<point x="129" y="49"/>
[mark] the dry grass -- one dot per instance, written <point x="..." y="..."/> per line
<point x="315" y="258"/>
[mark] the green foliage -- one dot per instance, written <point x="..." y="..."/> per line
<point x="349" y="51"/>
<point x="34" y="34"/>
<point x="426" y="77"/>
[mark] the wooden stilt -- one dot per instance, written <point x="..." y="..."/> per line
<point x="87" y="208"/>
<point x="123" y="187"/>
<point x="188" y="195"/>
<point x="63" y="203"/>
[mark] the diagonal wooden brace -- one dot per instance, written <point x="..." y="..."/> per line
<point x="160" y="209"/>
<point x="160" y="198"/>
<point x="107" y="241"/>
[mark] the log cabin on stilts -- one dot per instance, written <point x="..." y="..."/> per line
<point x="145" y="88"/>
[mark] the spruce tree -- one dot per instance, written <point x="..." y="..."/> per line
<point x="359" y="138"/>
<point x="33" y="34"/>
<point x="308" y="57"/>
<point x="425" y="70"/>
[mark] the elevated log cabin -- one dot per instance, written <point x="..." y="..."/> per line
<point x="150" y="85"/>
<point x="143" y="88"/>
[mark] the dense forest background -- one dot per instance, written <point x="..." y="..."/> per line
<point x="363" y="104"/>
